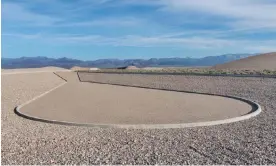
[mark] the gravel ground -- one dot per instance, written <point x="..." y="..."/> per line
<point x="246" y="142"/>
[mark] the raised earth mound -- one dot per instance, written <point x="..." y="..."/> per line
<point x="257" y="62"/>
<point x="77" y="68"/>
<point x="31" y="70"/>
<point x="132" y="67"/>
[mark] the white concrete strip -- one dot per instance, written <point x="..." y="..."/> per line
<point x="41" y="95"/>
<point x="145" y="126"/>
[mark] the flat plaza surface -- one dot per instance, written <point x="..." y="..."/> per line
<point x="83" y="102"/>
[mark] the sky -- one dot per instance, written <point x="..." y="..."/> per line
<point x="127" y="29"/>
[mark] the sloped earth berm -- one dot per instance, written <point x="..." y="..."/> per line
<point x="101" y="105"/>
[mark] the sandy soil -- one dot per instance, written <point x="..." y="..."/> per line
<point x="32" y="70"/>
<point x="152" y="68"/>
<point x="246" y="142"/>
<point x="80" y="102"/>
<point x="77" y="68"/>
<point x="258" y="62"/>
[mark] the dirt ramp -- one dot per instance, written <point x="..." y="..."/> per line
<point x="258" y="62"/>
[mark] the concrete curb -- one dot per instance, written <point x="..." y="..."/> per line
<point x="256" y="109"/>
<point x="183" y="74"/>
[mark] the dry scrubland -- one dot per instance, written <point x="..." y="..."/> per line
<point x="263" y="64"/>
<point x="204" y="71"/>
<point x="246" y="142"/>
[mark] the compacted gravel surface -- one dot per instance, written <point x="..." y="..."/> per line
<point x="247" y="142"/>
<point x="94" y="104"/>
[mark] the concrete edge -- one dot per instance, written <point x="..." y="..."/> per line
<point x="55" y="73"/>
<point x="183" y="74"/>
<point x="256" y="109"/>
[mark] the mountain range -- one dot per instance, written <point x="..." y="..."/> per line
<point x="36" y="62"/>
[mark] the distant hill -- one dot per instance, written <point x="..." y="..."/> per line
<point x="257" y="62"/>
<point x="34" y="62"/>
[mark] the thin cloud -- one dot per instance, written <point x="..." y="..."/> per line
<point x="170" y="42"/>
<point x="162" y="23"/>
<point x="115" y="22"/>
<point x="20" y="35"/>
<point x="248" y="13"/>
<point x="12" y="12"/>
<point x="140" y="41"/>
<point x="18" y="14"/>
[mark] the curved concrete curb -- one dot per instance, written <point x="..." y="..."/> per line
<point x="255" y="111"/>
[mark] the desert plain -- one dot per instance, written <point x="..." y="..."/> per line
<point x="25" y="141"/>
<point x="250" y="141"/>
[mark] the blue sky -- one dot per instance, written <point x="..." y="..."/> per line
<point x="96" y="29"/>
